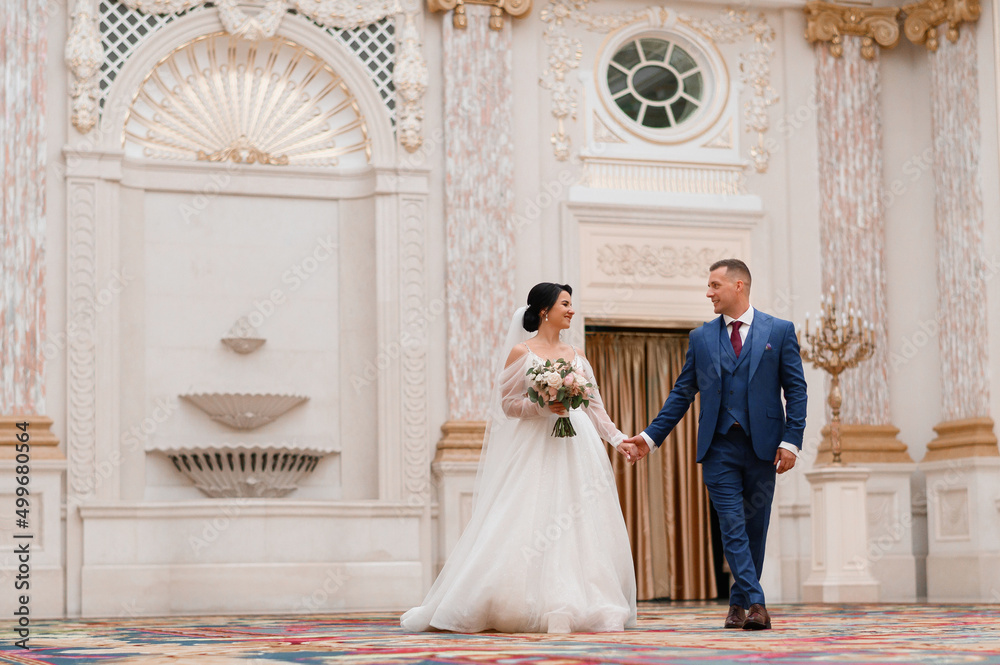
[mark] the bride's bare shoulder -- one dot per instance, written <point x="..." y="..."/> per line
<point x="516" y="354"/>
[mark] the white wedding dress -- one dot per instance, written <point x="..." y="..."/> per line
<point x="546" y="549"/>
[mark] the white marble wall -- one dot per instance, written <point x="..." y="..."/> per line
<point x="329" y="265"/>
<point x="782" y="240"/>
<point x="275" y="262"/>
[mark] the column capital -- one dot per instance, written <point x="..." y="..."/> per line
<point x="829" y="22"/>
<point x="516" y="8"/>
<point x="923" y="19"/>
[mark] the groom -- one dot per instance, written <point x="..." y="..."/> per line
<point x="741" y="363"/>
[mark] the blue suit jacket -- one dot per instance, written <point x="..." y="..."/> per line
<point x="775" y="366"/>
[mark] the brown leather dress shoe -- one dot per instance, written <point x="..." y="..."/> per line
<point x="737" y="617"/>
<point x="757" y="618"/>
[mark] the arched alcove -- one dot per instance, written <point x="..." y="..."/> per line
<point x="220" y="98"/>
<point x="294" y="29"/>
<point x="328" y="256"/>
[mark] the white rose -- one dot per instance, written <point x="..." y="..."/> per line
<point x="553" y="379"/>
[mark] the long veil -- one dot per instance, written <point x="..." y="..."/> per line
<point x="500" y="426"/>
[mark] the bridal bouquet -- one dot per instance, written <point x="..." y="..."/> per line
<point x="558" y="381"/>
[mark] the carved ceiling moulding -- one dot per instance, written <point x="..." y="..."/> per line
<point x="84" y="55"/>
<point x="626" y="259"/>
<point x="829" y="22"/>
<point x="516" y="8"/>
<point x="923" y="19"/>
<point x="566" y="52"/>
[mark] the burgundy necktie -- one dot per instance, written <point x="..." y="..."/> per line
<point x="735" y="338"/>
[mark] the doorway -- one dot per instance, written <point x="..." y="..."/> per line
<point x="663" y="497"/>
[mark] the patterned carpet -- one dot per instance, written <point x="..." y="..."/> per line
<point x="667" y="633"/>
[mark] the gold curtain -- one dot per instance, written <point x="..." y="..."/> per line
<point x="663" y="497"/>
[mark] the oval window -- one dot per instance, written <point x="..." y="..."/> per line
<point x="656" y="82"/>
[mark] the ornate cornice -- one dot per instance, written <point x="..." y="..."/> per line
<point x="515" y="8"/>
<point x="829" y="22"/>
<point x="328" y="13"/>
<point x="923" y="19"/>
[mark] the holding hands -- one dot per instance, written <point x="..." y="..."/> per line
<point x="634" y="448"/>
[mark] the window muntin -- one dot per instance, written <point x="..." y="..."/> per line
<point x="656" y="82"/>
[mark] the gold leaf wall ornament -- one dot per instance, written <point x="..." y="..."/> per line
<point x="829" y="22"/>
<point x="346" y="13"/>
<point x="410" y="77"/>
<point x="242" y="151"/>
<point x="923" y="19"/>
<point x="755" y="70"/>
<point x="328" y="13"/>
<point x="498" y="8"/>
<point x="262" y="26"/>
<point x="83" y="57"/>
<point x="626" y="259"/>
<point x="222" y="98"/>
<point x="565" y="54"/>
<point x="733" y="26"/>
<point x="162" y="6"/>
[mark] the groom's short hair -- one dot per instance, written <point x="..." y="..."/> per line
<point x="735" y="269"/>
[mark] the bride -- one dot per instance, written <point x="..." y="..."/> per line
<point x="546" y="548"/>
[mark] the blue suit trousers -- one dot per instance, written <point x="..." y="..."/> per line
<point x="741" y="486"/>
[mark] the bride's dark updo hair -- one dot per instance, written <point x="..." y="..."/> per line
<point x="541" y="297"/>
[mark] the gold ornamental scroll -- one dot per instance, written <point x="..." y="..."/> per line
<point x="830" y="22"/>
<point x="515" y="8"/>
<point x="924" y="18"/>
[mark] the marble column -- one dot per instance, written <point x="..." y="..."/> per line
<point x="22" y="215"/>
<point x="850" y="41"/>
<point x="963" y="461"/>
<point x="28" y="448"/>
<point x="479" y="179"/>
<point x="852" y="218"/>
<point x="966" y="429"/>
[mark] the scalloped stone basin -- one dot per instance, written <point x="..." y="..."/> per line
<point x="244" y="411"/>
<point x="243" y="345"/>
<point x="245" y="470"/>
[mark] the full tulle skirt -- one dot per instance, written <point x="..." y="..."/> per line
<point x="546" y="549"/>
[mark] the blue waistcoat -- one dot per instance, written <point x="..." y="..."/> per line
<point x="735" y="379"/>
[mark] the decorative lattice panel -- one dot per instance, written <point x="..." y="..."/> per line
<point x="123" y="29"/>
<point x="375" y="47"/>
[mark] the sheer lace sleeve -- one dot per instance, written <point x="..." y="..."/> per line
<point x="514" y="396"/>
<point x="596" y="412"/>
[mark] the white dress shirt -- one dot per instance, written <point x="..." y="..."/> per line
<point x="747" y="320"/>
